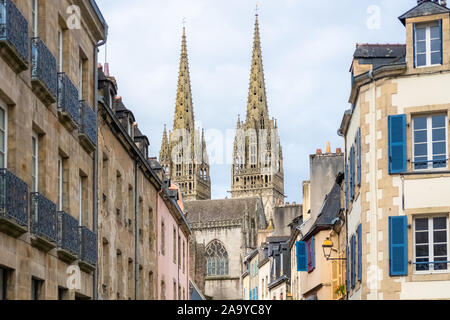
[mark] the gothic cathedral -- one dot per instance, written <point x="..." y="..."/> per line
<point x="183" y="152"/>
<point x="258" y="161"/>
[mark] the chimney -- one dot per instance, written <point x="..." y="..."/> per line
<point x="338" y="151"/>
<point x="319" y="152"/>
<point x="107" y="69"/>
<point x="328" y="147"/>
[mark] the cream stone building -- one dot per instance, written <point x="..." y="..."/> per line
<point x="48" y="237"/>
<point x="396" y="142"/>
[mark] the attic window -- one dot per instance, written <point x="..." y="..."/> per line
<point x="428" y="44"/>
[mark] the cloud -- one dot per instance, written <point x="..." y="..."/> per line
<point x="307" y="50"/>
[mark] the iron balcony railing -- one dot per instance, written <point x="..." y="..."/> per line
<point x="13" y="198"/>
<point x="68" y="98"/>
<point x="68" y="237"/>
<point x="14" y="35"/>
<point x="88" y="246"/>
<point x="88" y="124"/>
<point x="43" y="217"/>
<point x="43" y="73"/>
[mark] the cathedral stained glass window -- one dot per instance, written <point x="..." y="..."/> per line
<point x="217" y="259"/>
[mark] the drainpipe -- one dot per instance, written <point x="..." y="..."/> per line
<point x="136" y="231"/>
<point x="95" y="175"/>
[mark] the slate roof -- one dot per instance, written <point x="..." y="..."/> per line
<point x="426" y="8"/>
<point x="380" y="54"/>
<point x="220" y="210"/>
<point x="278" y="239"/>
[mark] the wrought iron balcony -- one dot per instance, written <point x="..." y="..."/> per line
<point x="13" y="36"/>
<point x="13" y="204"/>
<point x="88" y="249"/>
<point x="68" y="238"/>
<point x="68" y="104"/>
<point x="43" y="222"/>
<point x="44" y="77"/>
<point x="88" y="126"/>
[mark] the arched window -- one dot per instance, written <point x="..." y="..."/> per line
<point x="217" y="259"/>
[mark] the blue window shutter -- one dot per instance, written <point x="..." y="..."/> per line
<point x="442" y="40"/>
<point x="397" y="143"/>
<point x="347" y="280"/>
<point x="414" y="44"/>
<point x="256" y="296"/>
<point x="352" y="173"/>
<point x="313" y="252"/>
<point x="358" y="146"/>
<point x="353" y="261"/>
<point x="398" y="246"/>
<point x="360" y="253"/>
<point x="250" y="295"/>
<point x="347" y="177"/>
<point x="302" y="259"/>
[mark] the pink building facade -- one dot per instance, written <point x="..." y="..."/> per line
<point x="173" y="247"/>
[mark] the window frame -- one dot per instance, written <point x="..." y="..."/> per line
<point x="430" y="163"/>
<point x="60" y="183"/>
<point x="4" y="108"/>
<point x="427" y="26"/>
<point x="430" y="244"/>
<point x="35" y="17"/>
<point x="35" y="162"/>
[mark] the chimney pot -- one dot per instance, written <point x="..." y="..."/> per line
<point x="319" y="152"/>
<point x="338" y="151"/>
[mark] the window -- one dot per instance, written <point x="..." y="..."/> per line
<point x="174" y="290"/>
<point x="184" y="257"/>
<point x="217" y="259"/>
<point x="428" y="44"/>
<point x="62" y="293"/>
<point x="163" y="290"/>
<point x="82" y="194"/>
<point x="36" y="287"/>
<point x="150" y="286"/>
<point x="130" y="279"/>
<point x="253" y="150"/>
<point x="3" y="137"/>
<point x="3" y="284"/>
<point x="60" y="49"/>
<point x="35" y="13"/>
<point x="60" y="184"/>
<point x="105" y="261"/>
<point x="119" y="270"/>
<point x="34" y="163"/>
<point x="179" y="252"/>
<point x="430" y="142"/>
<point x="163" y="238"/>
<point x="431" y="244"/>
<point x="174" y="245"/>
<point x="80" y="79"/>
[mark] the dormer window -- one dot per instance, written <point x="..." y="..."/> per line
<point x="428" y="44"/>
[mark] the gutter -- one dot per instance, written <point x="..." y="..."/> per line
<point x="95" y="169"/>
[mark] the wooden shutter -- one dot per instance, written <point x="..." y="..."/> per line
<point x="302" y="263"/>
<point x="414" y="45"/>
<point x="442" y="41"/>
<point x="359" y="156"/>
<point x="398" y="246"/>
<point x="360" y="253"/>
<point x="353" y="261"/>
<point x="397" y="143"/>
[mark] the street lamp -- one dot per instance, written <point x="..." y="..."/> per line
<point x="327" y="247"/>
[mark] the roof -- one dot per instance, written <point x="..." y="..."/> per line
<point x="278" y="239"/>
<point x="220" y="210"/>
<point x="330" y="210"/>
<point x="426" y="8"/>
<point x="379" y="50"/>
<point x="380" y="54"/>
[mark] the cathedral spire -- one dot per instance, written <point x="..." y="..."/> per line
<point x="257" y="111"/>
<point x="184" y="111"/>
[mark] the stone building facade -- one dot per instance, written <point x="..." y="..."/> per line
<point x="228" y="230"/>
<point x="258" y="158"/>
<point x="48" y="141"/>
<point x="183" y="151"/>
<point x="128" y="190"/>
<point x="397" y="142"/>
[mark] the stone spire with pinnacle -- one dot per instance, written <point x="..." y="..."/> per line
<point x="183" y="151"/>
<point x="258" y="162"/>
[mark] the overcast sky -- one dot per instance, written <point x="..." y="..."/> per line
<point x="307" y="51"/>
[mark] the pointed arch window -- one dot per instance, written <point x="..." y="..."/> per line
<point x="217" y="263"/>
<point x="253" y="150"/>
<point x="262" y="121"/>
